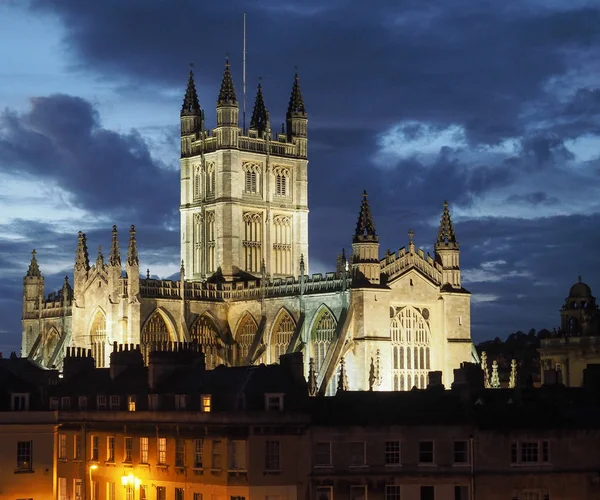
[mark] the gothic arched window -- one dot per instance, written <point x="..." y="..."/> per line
<point x="244" y="338"/>
<point x="322" y="336"/>
<point x="411" y="348"/>
<point x="252" y="242"/>
<point x="210" y="242"/>
<point x="282" y="175"/>
<point x="155" y="332"/>
<point x="282" y="245"/>
<point x="251" y="177"/>
<point x="282" y="335"/>
<point x="98" y="339"/>
<point x="210" y="179"/>
<point x="205" y="333"/>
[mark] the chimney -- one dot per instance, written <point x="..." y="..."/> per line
<point x="173" y="357"/>
<point x="293" y="364"/>
<point x="123" y="357"/>
<point x="78" y="362"/>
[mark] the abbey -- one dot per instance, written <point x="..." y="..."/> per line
<point x="244" y="292"/>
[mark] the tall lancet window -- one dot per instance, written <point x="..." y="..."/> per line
<point x="210" y="242"/>
<point x="198" y="230"/>
<point x="282" y="246"/>
<point x="197" y="183"/>
<point x="244" y="338"/>
<point x="205" y="333"/>
<point x="322" y="336"/>
<point x="98" y="339"/>
<point x="282" y="176"/>
<point x="282" y="335"/>
<point x="252" y="243"/>
<point x="210" y="179"/>
<point x="251" y="177"/>
<point x="411" y="357"/>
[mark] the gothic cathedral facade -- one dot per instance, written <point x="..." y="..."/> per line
<point x="244" y="291"/>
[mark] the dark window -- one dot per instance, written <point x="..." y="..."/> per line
<point x="272" y="459"/>
<point x="179" y="453"/>
<point x="392" y="492"/>
<point x="427" y="493"/>
<point x="426" y="452"/>
<point x="461" y="493"/>
<point x="24" y="455"/>
<point x="323" y="454"/>
<point x="392" y="453"/>
<point x="461" y="453"/>
<point x="161" y="493"/>
<point x="179" y="494"/>
<point x="357" y="454"/>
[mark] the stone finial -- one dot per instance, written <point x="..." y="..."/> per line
<point x="365" y="227"/>
<point x="147" y="274"/>
<point x="34" y="269"/>
<point x="132" y="252"/>
<point x="191" y="106"/>
<point x="82" y="260"/>
<point x="296" y="105"/>
<point x="100" y="258"/>
<point x="411" y="242"/>
<point x="260" y="117"/>
<point x="302" y="267"/>
<point x="312" y="378"/>
<point x="484" y="367"/>
<point x="446" y="238"/>
<point x="115" y="253"/>
<point x="495" y="382"/>
<point x="372" y="377"/>
<point x="227" y="91"/>
<point x="182" y="270"/>
<point x="263" y="269"/>
<point x="512" y="383"/>
<point x="342" y="383"/>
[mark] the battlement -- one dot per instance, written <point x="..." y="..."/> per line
<point x="206" y="142"/>
<point x="245" y="290"/>
<point x="393" y="264"/>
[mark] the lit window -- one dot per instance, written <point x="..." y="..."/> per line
<point x="131" y="403"/>
<point x="426" y="452"/>
<point x="110" y="491"/>
<point x="144" y="450"/>
<point x="206" y="403"/>
<point x="77" y="489"/>
<point x="162" y="451"/>
<point x="24" y="455"/>
<point x="62" y="446"/>
<point x="392" y="453"/>
<point x="62" y="488"/>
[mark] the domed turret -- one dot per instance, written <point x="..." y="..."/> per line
<point x="579" y="315"/>
<point x="580" y="290"/>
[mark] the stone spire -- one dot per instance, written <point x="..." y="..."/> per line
<point x="82" y="259"/>
<point x="312" y="378"/>
<point x="365" y="227"/>
<point x="191" y="105"/>
<point x="512" y="383"/>
<point x="495" y="382"/>
<point x="132" y="252"/>
<point x="34" y="269"/>
<point x="259" y="114"/>
<point x="342" y="384"/>
<point x="115" y="254"/>
<point x="296" y="105"/>
<point x="446" y="237"/>
<point x="227" y="92"/>
<point x="100" y="259"/>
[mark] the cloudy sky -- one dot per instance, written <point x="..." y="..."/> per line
<point x="492" y="105"/>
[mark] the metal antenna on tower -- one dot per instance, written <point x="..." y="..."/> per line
<point x="244" y="79"/>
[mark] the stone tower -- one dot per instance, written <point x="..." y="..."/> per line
<point x="243" y="197"/>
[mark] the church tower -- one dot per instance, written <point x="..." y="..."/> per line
<point x="447" y="253"/>
<point x="33" y="287"/>
<point x="365" y="247"/>
<point x="243" y="197"/>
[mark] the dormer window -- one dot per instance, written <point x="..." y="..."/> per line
<point x="82" y="402"/>
<point x="19" y="401"/>
<point x="206" y="403"/>
<point x="153" y="401"/>
<point x="65" y="403"/>
<point x="101" y="402"/>
<point x="131" y="403"/>
<point x="274" y="402"/>
<point x="115" y="402"/>
<point x="54" y="403"/>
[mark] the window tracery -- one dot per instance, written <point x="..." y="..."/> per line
<point x="322" y="336"/>
<point x="282" y="246"/>
<point x="252" y="172"/>
<point x="410" y="341"/>
<point x="210" y="242"/>
<point x="155" y="331"/>
<point x="210" y="179"/>
<point x="244" y="338"/>
<point x="98" y="339"/>
<point x="252" y="242"/>
<point x="197" y="182"/>
<point x="284" y="331"/>
<point x="282" y="175"/>
<point x="205" y="333"/>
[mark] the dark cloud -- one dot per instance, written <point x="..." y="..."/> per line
<point x="536" y="198"/>
<point x="62" y="141"/>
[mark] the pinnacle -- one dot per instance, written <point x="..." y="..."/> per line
<point x="115" y="254"/>
<point x="446" y="236"/>
<point x="365" y="227"/>
<point x="259" y="114"/>
<point x="227" y="92"/>
<point x="132" y="252"/>
<point x="190" y="106"/>
<point x="296" y="105"/>
<point x="34" y="269"/>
